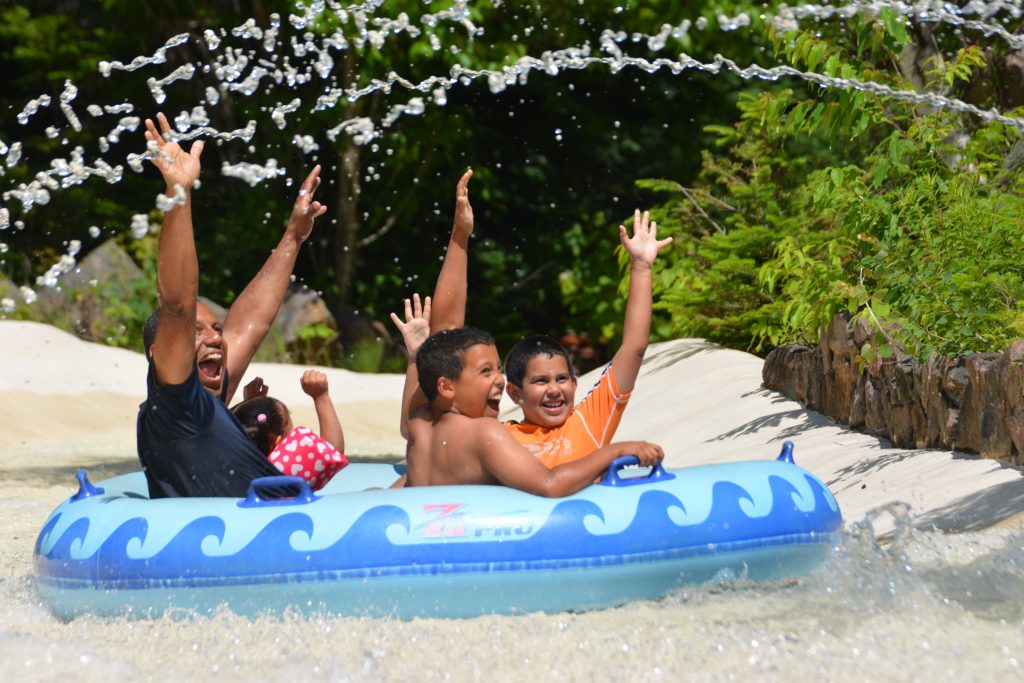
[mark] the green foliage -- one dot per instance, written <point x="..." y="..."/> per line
<point x="824" y="202"/>
<point x="372" y="355"/>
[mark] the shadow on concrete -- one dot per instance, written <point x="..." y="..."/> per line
<point x="977" y="511"/>
<point x="675" y="353"/>
<point x="874" y="463"/>
<point x="811" y="420"/>
<point x="65" y="474"/>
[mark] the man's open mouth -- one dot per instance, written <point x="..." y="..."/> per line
<point x="211" y="367"/>
<point x="493" y="404"/>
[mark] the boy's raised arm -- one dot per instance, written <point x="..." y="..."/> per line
<point x="643" y="248"/>
<point x="513" y="466"/>
<point x="177" y="277"/>
<point x="415" y="330"/>
<point x="314" y="384"/>
<point x="450" y="290"/>
<point x="253" y="312"/>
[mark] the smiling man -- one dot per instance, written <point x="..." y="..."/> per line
<point x="189" y="443"/>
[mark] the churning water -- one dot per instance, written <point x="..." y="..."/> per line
<point x="924" y="606"/>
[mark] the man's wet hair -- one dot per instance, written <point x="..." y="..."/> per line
<point x="263" y="419"/>
<point x="149" y="330"/>
<point x="443" y="355"/>
<point x="520" y="355"/>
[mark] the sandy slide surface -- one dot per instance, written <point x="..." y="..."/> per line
<point x="65" y="404"/>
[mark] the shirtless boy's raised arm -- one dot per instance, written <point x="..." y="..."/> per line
<point x="450" y="290"/>
<point x="177" y="276"/>
<point x="643" y="248"/>
<point x="251" y="315"/>
<point x="415" y="329"/>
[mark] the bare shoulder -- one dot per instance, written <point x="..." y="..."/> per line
<point x="484" y="428"/>
<point x="421" y="424"/>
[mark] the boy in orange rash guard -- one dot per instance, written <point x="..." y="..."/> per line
<point x="540" y="375"/>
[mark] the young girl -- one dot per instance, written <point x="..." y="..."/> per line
<point x="295" y="451"/>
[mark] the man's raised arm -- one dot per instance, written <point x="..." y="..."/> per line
<point x="177" y="276"/>
<point x="253" y="312"/>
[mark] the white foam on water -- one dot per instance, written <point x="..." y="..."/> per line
<point x="926" y="606"/>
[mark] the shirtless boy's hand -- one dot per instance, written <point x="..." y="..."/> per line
<point x="314" y="383"/>
<point x="463" y="226"/>
<point x="416" y="327"/>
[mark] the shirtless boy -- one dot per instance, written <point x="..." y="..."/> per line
<point x="452" y="440"/>
<point x="540" y="375"/>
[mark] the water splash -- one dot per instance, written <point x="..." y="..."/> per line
<point x="158" y="57"/>
<point x="32" y="107"/>
<point x="288" y="54"/>
<point x="252" y="173"/>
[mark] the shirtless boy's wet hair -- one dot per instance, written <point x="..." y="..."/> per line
<point x="442" y="355"/>
<point x="531" y="347"/>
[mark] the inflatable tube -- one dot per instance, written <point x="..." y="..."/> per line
<point x="447" y="551"/>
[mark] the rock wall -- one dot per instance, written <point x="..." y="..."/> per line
<point x="973" y="403"/>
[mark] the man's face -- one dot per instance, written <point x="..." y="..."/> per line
<point x="478" y="389"/>
<point x="211" y="350"/>
<point x="548" y="392"/>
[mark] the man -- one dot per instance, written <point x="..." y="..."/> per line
<point x="188" y="441"/>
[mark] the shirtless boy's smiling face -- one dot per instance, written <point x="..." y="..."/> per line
<point x="477" y="391"/>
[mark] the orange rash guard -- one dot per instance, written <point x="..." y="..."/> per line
<point x="590" y="425"/>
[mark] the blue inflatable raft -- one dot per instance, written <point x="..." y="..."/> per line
<point x="451" y="551"/>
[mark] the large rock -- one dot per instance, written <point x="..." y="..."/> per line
<point x="975" y="403"/>
<point x="89" y="300"/>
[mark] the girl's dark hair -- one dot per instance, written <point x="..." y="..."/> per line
<point x="263" y="419"/>
<point x="529" y="348"/>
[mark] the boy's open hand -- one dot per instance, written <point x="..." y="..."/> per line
<point x="306" y="209"/>
<point x="416" y="327"/>
<point x="644" y="245"/>
<point x="177" y="166"/>
<point x="314" y="383"/>
<point x="463" y="209"/>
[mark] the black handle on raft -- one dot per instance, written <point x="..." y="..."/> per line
<point x="253" y="499"/>
<point x="611" y="477"/>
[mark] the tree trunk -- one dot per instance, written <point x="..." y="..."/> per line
<point x="348" y="223"/>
